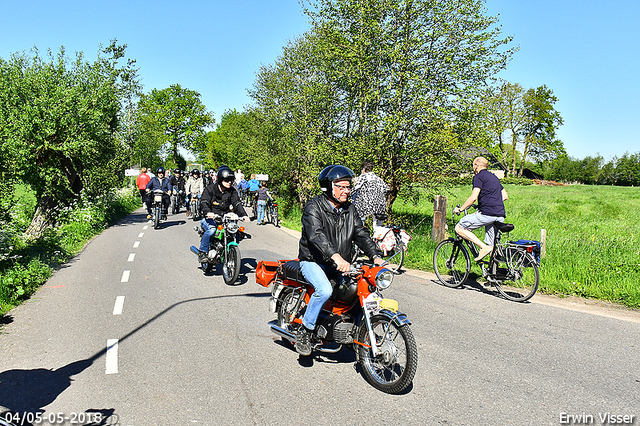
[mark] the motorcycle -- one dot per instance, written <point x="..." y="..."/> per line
<point x="223" y="247"/>
<point x="194" y="207"/>
<point x="177" y="200"/>
<point x="156" y="207"/>
<point x="356" y="316"/>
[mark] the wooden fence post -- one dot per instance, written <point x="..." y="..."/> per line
<point x="543" y="242"/>
<point x="439" y="230"/>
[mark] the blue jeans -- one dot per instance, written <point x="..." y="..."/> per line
<point x="316" y="275"/>
<point x="209" y="226"/>
<point x="262" y="204"/>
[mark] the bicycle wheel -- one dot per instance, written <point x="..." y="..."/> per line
<point x="395" y="257"/>
<point x="522" y="276"/>
<point x="267" y="214"/>
<point x="451" y="263"/>
<point x="274" y="217"/>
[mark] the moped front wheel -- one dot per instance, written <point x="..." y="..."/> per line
<point x="156" y="218"/>
<point x="393" y="369"/>
<point x="231" y="265"/>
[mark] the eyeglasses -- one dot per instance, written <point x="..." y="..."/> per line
<point x="343" y="187"/>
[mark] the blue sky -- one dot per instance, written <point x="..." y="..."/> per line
<point x="586" y="51"/>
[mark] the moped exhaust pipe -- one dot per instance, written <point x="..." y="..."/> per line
<point x="282" y="332"/>
<point x="194" y="249"/>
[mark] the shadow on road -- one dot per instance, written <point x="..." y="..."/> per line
<point x="28" y="391"/>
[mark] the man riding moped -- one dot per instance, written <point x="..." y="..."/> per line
<point x="217" y="199"/>
<point x="330" y="225"/>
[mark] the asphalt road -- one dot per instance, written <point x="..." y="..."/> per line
<point x="165" y="344"/>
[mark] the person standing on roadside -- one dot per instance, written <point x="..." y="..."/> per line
<point x="370" y="191"/>
<point x="141" y="182"/>
<point x="491" y="195"/>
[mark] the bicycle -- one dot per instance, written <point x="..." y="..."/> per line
<point x="511" y="267"/>
<point x="393" y="256"/>
<point x="271" y="212"/>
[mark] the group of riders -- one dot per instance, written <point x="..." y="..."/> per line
<point x="331" y="224"/>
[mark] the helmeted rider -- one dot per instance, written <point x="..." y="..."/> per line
<point x="194" y="187"/>
<point x="330" y="226"/>
<point x="179" y="184"/>
<point x="159" y="181"/>
<point x="218" y="199"/>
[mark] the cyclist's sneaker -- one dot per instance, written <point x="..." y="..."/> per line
<point x="483" y="252"/>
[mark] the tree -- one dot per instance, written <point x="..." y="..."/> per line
<point x="541" y="120"/>
<point x="386" y="80"/>
<point x="59" y="121"/>
<point x="176" y="117"/>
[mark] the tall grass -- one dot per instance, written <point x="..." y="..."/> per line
<point x="593" y="236"/>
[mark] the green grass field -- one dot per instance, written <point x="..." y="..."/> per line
<point x="593" y="232"/>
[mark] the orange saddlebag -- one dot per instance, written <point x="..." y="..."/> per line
<point x="266" y="272"/>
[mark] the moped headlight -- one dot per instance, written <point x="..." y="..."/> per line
<point x="384" y="278"/>
<point x="232" y="227"/>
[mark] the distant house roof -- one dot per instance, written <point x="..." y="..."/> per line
<point x="479" y="151"/>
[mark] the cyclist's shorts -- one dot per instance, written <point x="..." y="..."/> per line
<point x="477" y="220"/>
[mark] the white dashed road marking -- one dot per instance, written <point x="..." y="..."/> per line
<point x="136" y="244"/>
<point x="112" y="357"/>
<point x="140" y="235"/>
<point x="125" y="276"/>
<point x="131" y="257"/>
<point x="117" y="308"/>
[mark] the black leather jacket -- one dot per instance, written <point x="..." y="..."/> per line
<point x="326" y="232"/>
<point x="213" y="200"/>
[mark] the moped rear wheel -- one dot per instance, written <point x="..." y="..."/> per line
<point x="392" y="370"/>
<point x="231" y="265"/>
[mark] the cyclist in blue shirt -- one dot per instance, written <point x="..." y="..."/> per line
<point x="490" y="194"/>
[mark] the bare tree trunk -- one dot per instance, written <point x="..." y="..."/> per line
<point x="41" y="219"/>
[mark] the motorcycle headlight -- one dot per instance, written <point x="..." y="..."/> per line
<point x="232" y="227"/>
<point x="384" y="279"/>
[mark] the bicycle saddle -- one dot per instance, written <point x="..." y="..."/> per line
<point x="504" y="227"/>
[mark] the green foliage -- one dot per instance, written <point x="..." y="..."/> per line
<point x="59" y="119"/>
<point x="25" y="264"/>
<point x="176" y="117"/>
<point x="390" y="81"/>
<point x="622" y="171"/>
<point x="527" y="119"/>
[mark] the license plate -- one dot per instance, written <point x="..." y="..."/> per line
<point x="157" y="198"/>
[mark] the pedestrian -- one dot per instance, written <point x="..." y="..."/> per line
<point x="369" y="195"/>
<point x="141" y="182"/>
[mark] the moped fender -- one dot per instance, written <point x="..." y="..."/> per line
<point x="398" y="318"/>
<point x="232" y="243"/>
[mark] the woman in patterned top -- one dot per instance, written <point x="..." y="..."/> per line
<point x="370" y="193"/>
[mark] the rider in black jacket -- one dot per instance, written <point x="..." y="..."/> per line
<point x="217" y="199"/>
<point x="330" y="225"/>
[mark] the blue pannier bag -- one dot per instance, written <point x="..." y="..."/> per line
<point x="530" y="243"/>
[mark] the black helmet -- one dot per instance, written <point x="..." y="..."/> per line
<point x="225" y="173"/>
<point x="195" y="172"/>
<point x="176" y="171"/>
<point x="160" y="170"/>
<point x="331" y="174"/>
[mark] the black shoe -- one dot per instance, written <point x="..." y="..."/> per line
<point x="303" y="341"/>
<point x="202" y="257"/>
